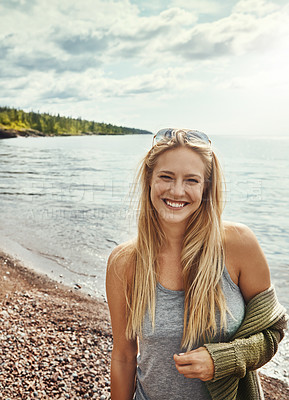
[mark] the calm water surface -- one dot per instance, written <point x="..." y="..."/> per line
<point x="65" y="201"/>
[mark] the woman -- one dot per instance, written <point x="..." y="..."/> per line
<point x="183" y="296"/>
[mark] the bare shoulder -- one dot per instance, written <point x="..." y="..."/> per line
<point x="239" y="236"/>
<point x="120" y="261"/>
<point x="246" y="259"/>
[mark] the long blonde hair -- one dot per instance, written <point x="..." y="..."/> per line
<point x="202" y="253"/>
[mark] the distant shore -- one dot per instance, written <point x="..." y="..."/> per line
<point x="56" y="342"/>
<point x="14" y="133"/>
<point x="15" y="122"/>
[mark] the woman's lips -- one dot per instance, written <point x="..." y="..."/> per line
<point x="175" y="204"/>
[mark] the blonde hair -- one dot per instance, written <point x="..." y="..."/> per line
<point x="202" y="253"/>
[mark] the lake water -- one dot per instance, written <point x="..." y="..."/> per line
<point x="65" y="203"/>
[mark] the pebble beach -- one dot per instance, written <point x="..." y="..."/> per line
<point x="56" y="342"/>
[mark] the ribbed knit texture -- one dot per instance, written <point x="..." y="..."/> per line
<point x="254" y="344"/>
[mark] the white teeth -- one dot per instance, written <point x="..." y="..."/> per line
<point x="175" y="205"/>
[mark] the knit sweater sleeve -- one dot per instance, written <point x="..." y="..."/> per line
<point x="246" y="354"/>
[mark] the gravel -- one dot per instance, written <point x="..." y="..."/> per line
<point x="54" y="343"/>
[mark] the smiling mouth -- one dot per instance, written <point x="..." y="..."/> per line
<point x="175" y="204"/>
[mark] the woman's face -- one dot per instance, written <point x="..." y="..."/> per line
<point x="177" y="185"/>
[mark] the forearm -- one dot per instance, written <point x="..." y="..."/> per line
<point x="255" y="342"/>
<point x="123" y="375"/>
<point x="236" y="357"/>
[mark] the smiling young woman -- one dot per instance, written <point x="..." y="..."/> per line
<point x="183" y="295"/>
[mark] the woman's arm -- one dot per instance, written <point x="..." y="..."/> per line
<point x="246" y="354"/>
<point x="248" y="267"/>
<point x="245" y="260"/>
<point x="124" y="353"/>
<point x="247" y="264"/>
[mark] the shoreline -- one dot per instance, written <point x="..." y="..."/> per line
<point x="14" y="133"/>
<point x="56" y="342"/>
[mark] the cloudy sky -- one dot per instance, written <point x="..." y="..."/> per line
<point x="218" y="66"/>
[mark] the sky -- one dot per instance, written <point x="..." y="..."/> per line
<point x="217" y="66"/>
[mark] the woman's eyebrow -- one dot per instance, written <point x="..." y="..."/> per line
<point x="186" y="176"/>
<point x="193" y="175"/>
<point x="166" y="172"/>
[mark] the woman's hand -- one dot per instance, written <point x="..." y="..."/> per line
<point x="195" y="364"/>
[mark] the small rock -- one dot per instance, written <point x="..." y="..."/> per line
<point x="77" y="286"/>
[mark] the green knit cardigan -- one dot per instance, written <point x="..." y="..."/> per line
<point x="254" y="344"/>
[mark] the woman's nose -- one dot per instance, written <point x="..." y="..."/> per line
<point x="177" y="188"/>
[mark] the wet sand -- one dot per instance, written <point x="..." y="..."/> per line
<point x="55" y="342"/>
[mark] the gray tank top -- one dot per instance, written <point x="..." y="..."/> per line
<point x="157" y="376"/>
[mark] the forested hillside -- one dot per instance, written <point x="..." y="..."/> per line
<point x="12" y="118"/>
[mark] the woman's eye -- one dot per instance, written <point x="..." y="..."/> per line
<point x="192" y="180"/>
<point x="167" y="177"/>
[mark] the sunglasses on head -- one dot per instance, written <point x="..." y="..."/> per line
<point x="190" y="135"/>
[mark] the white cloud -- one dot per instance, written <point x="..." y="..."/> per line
<point x="240" y="33"/>
<point x="94" y="85"/>
<point x="257" y="7"/>
<point x="199" y="7"/>
<point x="111" y="31"/>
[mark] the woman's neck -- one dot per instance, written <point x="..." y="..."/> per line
<point x="174" y="236"/>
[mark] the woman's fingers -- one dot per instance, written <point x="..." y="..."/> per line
<point x="187" y="365"/>
<point x="195" y="364"/>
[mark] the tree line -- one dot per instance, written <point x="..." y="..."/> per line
<point x="12" y="118"/>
